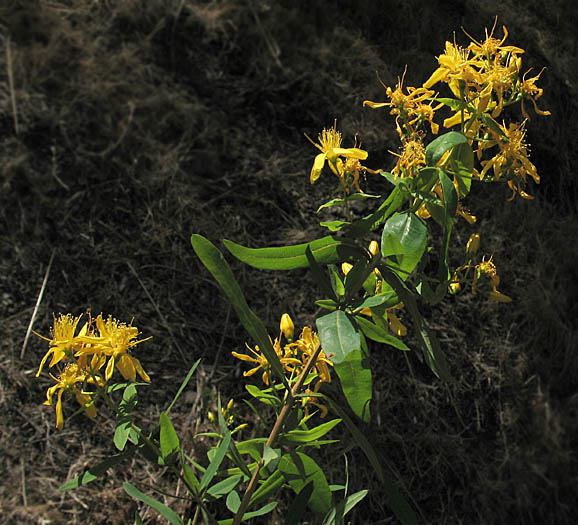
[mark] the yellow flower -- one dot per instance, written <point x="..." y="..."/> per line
<point x="512" y="161"/>
<point x="346" y="267"/>
<point x="529" y="90"/>
<point x="373" y="248"/>
<point x="410" y="108"/>
<point x="287" y="327"/>
<point x="473" y="243"/>
<point x="68" y="380"/>
<point x="455" y="64"/>
<point x="462" y="212"/>
<point x="306" y="346"/>
<point x="492" y="48"/>
<point x="331" y="150"/>
<point x="411" y="159"/>
<point x="259" y="358"/>
<point x="115" y="341"/>
<point x="63" y="342"/>
<point x="395" y="325"/>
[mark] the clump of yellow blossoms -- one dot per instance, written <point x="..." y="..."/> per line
<point x="484" y="78"/>
<point x="294" y="356"/>
<point x="84" y="354"/>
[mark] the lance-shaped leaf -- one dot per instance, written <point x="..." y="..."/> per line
<point x="430" y="347"/>
<point x="404" y="237"/>
<point x="355" y="377"/>
<point x="298" y="470"/>
<point x="95" y="472"/>
<point x="168" y="437"/>
<point x="213" y="259"/>
<point x="461" y="164"/>
<point x="369" y="223"/>
<point x="326" y="250"/>
<point x="306" y="436"/>
<point x="338" y="335"/>
<point x="437" y="147"/>
<point x="172" y="517"/>
<point x="378" y="334"/>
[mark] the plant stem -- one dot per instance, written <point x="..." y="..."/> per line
<point x="288" y="404"/>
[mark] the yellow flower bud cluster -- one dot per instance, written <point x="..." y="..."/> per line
<point x="293" y="355"/>
<point x="100" y="341"/>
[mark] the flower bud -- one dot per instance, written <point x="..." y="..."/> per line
<point x="287" y="326"/>
<point x="346" y="267"/>
<point x="373" y="248"/>
<point x="473" y="243"/>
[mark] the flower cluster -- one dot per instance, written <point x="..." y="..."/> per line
<point x="484" y="271"/>
<point x="294" y="356"/>
<point x="80" y="357"/>
<point x="484" y="78"/>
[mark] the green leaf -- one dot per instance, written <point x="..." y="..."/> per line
<point x="233" y="501"/>
<point x="191" y="479"/>
<point x="253" y="514"/>
<point x="431" y="350"/>
<point x="326" y="250"/>
<point x="355" y="377"/>
<point x="369" y="223"/>
<point x="224" y="487"/>
<point x="168" y="436"/>
<point x="337" y="334"/>
<point x="336" y="282"/>
<point x="399" y="505"/>
<point x="461" y="164"/>
<point x="124" y="417"/>
<point x="343" y="507"/>
<point x="161" y="508"/>
<point x="437" y="147"/>
<point x="95" y="472"/>
<point x="353" y="197"/>
<point x="215" y="262"/>
<point x="298" y="470"/>
<point x="270" y="486"/>
<point x="183" y="385"/>
<point x="305" y="436"/>
<point x="405" y="237"/>
<point x="328" y="304"/>
<point x="378" y="334"/>
<point x="388" y="300"/>
<point x="268" y="399"/>
<point x="319" y="275"/>
<point x="334" y="226"/>
<point x="216" y="461"/>
<point x="297" y="508"/>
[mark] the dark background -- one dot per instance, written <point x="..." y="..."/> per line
<point x="127" y="126"/>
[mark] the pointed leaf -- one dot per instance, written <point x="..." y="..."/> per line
<point x="172" y="517"/>
<point x="298" y="470"/>
<point x="437" y="147"/>
<point x="213" y="259"/>
<point x="355" y="377"/>
<point x="326" y="250"/>
<point x="337" y="334"/>
<point x="95" y="472"/>
<point x="168" y="436"/>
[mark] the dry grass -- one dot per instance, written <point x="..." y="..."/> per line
<point x="127" y="126"/>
